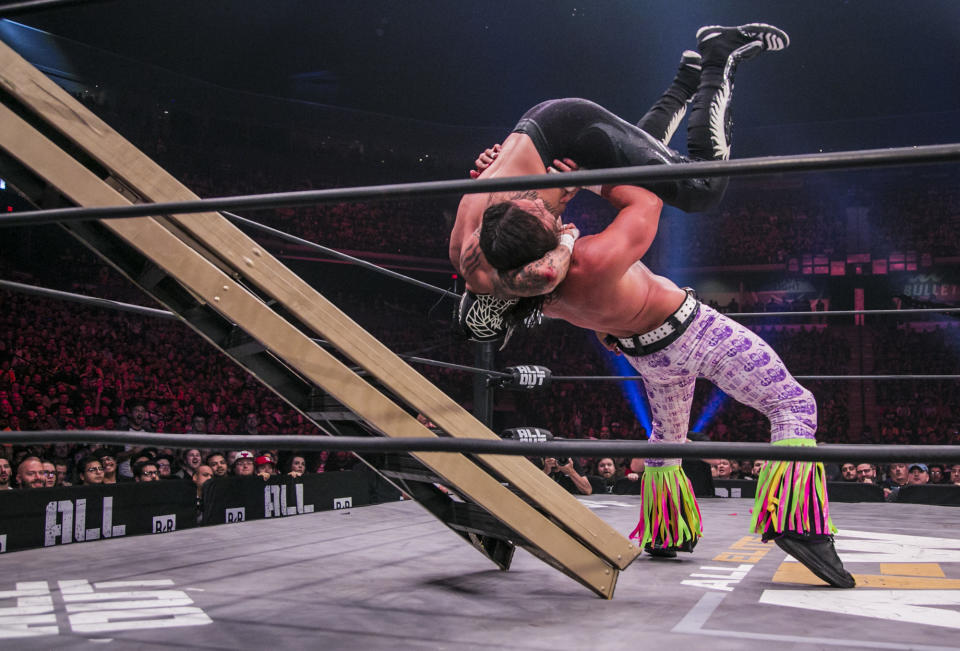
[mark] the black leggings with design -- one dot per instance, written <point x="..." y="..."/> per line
<point x="595" y="138"/>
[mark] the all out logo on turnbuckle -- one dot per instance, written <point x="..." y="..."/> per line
<point x="525" y="378"/>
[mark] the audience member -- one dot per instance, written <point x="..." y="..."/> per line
<point x="189" y="462"/>
<point x="63" y="471"/>
<point x="936" y="473"/>
<point x="296" y="465"/>
<point x="90" y="470"/>
<point x="30" y="473"/>
<point x="724" y="469"/>
<point x="866" y="473"/>
<point x="918" y="474"/>
<point x="565" y="473"/>
<point x="6" y="474"/>
<point x="146" y="471"/>
<point x="217" y="463"/>
<point x="265" y="466"/>
<point x="955" y="474"/>
<point x="165" y="465"/>
<point x="243" y="464"/>
<point x="200" y="477"/>
<point x="610" y="479"/>
<point x="49" y="474"/>
<point x="848" y="471"/>
<point x="109" y="463"/>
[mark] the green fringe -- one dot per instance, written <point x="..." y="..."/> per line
<point x="670" y="513"/>
<point x="792" y="496"/>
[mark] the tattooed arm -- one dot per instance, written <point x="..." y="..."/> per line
<point x="541" y="276"/>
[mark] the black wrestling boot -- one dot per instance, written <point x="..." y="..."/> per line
<point x="717" y="43"/>
<point x="818" y="555"/>
<point x="723" y="49"/>
<point x="691" y="60"/>
<point x="658" y="551"/>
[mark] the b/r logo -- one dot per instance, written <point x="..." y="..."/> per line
<point x="165" y="523"/>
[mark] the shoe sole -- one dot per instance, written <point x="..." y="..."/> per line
<point x="812" y="562"/>
<point x="773" y="38"/>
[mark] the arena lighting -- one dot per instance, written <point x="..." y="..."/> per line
<point x="631" y="391"/>
<point x="714" y="403"/>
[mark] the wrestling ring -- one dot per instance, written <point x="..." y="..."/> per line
<point x="386" y="575"/>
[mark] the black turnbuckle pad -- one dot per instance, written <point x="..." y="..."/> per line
<point x="526" y="378"/>
<point x="527" y="434"/>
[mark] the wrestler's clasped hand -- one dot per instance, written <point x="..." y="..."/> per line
<point x="485" y="160"/>
<point x="568" y="165"/>
<point x="570" y="229"/>
<point x="565" y="165"/>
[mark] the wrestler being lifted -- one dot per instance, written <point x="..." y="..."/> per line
<point x="518" y="258"/>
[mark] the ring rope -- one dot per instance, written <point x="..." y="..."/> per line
<point x="696" y="450"/>
<point x="909" y="310"/>
<point x="149" y="311"/>
<point x="163" y="314"/>
<point x="588" y="378"/>
<point x="87" y="300"/>
<point x="622" y="175"/>
<point x="343" y="256"/>
<point x="30" y="6"/>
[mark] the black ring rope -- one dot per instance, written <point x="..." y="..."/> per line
<point x="909" y="310"/>
<point x="337" y="254"/>
<point x="164" y="314"/>
<point x="149" y="311"/>
<point x="696" y="450"/>
<point x="624" y="175"/>
<point x="87" y="300"/>
<point x="613" y="378"/>
<point x="30" y="6"/>
<point x="458" y="367"/>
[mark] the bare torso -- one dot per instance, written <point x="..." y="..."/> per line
<point x="633" y="302"/>
<point x="602" y="290"/>
<point x="518" y="157"/>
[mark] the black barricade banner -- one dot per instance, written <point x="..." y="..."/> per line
<point x="850" y="491"/>
<point x="734" y="487"/>
<point x="237" y="499"/>
<point x="943" y="494"/>
<point x="45" y="517"/>
<point x="837" y="491"/>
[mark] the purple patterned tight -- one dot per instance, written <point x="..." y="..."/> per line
<point x="735" y="359"/>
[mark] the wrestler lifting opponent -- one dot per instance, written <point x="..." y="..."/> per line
<point x="671" y="339"/>
<point x="595" y="138"/>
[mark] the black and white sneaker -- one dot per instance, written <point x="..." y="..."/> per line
<point x="717" y="43"/>
<point x="691" y="59"/>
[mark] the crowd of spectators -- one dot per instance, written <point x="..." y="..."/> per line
<point x="756" y="224"/>
<point x="621" y="476"/>
<point x="64" y="366"/>
<point x="917" y="412"/>
<point x="69" y="367"/>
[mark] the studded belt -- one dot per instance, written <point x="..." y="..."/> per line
<point x="659" y="338"/>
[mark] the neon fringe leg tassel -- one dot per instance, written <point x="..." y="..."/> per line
<point x="670" y="519"/>
<point x="792" y="509"/>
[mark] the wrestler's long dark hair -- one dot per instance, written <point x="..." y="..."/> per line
<point x="511" y="237"/>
